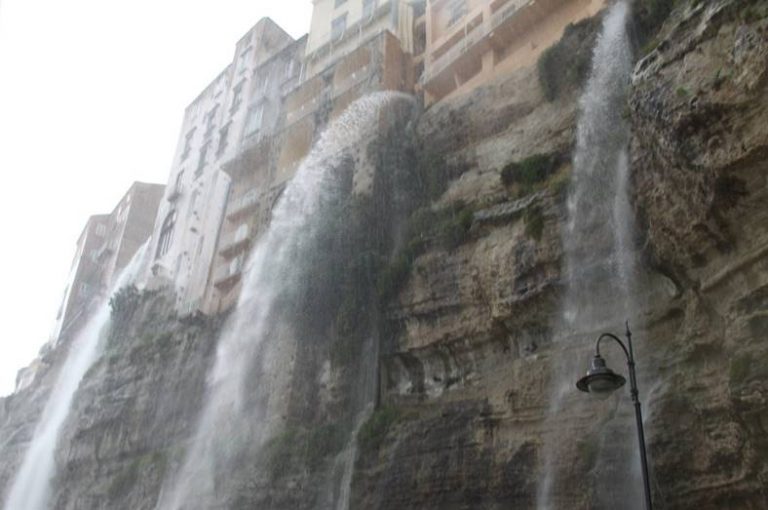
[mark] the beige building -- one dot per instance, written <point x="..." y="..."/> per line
<point x="470" y="41"/>
<point x="304" y="88"/>
<point x="255" y="182"/>
<point x="105" y="247"/>
<point x="339" y="27"/>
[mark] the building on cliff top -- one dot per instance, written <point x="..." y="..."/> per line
<point x="468" y="42"/>
<point x="245" y="135"/>
<point x="255" y="179"/>
<point x="340" y="27"/>
<point x="105" y="246"/>
<point x="218" y="124"/>
<point x="294" y="107"/>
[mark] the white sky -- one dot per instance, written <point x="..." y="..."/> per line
<point x="92" y="94"/>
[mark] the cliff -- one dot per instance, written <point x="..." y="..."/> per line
<point x="451" y="276"/>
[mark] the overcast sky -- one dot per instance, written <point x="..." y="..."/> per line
<point x="92" y="94"/>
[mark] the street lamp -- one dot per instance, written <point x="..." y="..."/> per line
<point x="601" y="381"/>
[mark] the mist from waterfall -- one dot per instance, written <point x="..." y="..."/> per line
<point x="600" y="258"/>
<point x="248" y="384"/>
<point x="31" y="488"/>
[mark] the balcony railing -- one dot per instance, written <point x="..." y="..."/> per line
<point x="500" y="13"/>
<point x="328" y="46"/>
<point x="228" y="274"/>
<point x="248" y="202"/>
<point x="505" y="13"/>
<point x="470" y="38"/>
<point x="235" y="241"/>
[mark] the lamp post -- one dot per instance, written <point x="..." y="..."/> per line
<point x="601" y="381"/>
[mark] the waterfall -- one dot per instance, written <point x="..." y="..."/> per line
<point x="248" y="384"/>
<point x="600" y="266"/>
<point x="31" y="488"/>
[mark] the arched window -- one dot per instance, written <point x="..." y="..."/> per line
<point x="166" y="234"/>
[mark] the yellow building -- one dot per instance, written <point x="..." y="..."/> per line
<point x="470" y="41"/>
<point x="339" y="27"/>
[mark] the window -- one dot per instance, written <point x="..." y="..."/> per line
<point x="253" y="122"/>
<point x="457" y="9"/>
<point x="192" y="203"/>
<point x="237" y="97"/>
<point x="177" y="185"/>
<point x="223" y="134"/>
<point x="101" y="230"/>
<point x="188" y="143"/>
<point x="338" y="26"/>
<point x="369" y="7"/>
<point x="338" y="3"/>
<point x="209" y="121"/>
<point x="290" y="69"/>
<point x="166" y="234"/>
<point x="201" y="160"/>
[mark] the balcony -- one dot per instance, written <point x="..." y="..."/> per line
<point x="246" y="204"/>
<point x="227" y="275"/>
<point x="473" y="33"/>
<point x="235" y="242"/>
<point x="329" y="47"/>
<point x="106" y="250"/>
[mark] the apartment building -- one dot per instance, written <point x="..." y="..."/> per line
<point x="216" y="126"/>
<point x="106" y="246"/>
<point x="354" y="47"/>
<point x="469" y="42"/>
<point x="339" y="27"/>
<point x="255" y="182"/>
<point x="83" y="280"/>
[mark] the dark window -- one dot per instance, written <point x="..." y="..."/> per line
<point x="338" y="26"/>
<point x="187" y="143"/>
<point x="209" y="121"/>
<point x="201" y="160"/>
<point x="255" y="117"/>
<point x="177" y="186"/>
<point x="237" y="97"/>
<point x="223" y="135"/>
<point x="369" y="7"/>
<point x="166" y="234"/>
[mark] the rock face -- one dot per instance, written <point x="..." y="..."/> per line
<point x="472" y="356"/>
<point x="468" y="301"/>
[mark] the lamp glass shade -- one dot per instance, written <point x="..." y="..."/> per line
<point x="600" y="380"/>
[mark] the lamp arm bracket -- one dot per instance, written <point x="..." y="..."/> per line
<point x="630" y="359"/>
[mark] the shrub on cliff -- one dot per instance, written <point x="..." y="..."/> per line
<point x="124" y="302"/>
<point x="565" y="65"/>
<point x="445" y="228"/>
<point x="374" y="431"/>
<point x="529" y="172"/>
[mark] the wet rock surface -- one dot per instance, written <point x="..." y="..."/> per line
<point x="467" y="348"/>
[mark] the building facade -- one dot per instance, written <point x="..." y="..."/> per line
<point x="469" y="42"/>
<point x="255" y="182"/>
<point x="246" y="134"/>
<point x="220" y="121"/>
<point x="339" y="27"/>
<point x="106" y="246"/>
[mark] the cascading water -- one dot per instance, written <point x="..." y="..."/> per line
<point x="247" y="386"/>
<point x="599" y="257"/>
<point x="31" y="489"/>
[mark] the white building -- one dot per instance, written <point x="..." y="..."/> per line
<point x="218" y="123"/>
